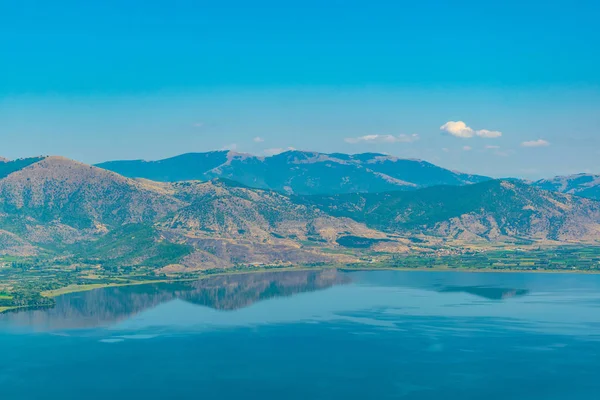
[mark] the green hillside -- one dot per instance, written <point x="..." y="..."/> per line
<point x="489" y="210"/>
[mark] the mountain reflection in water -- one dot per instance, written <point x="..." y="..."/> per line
<point x="225" y="293"/>
<point x="490" y="293"/>
<point x="313" y="335"/>
<point x="102" y="307"/>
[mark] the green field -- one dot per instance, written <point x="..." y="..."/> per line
<point x="28" y="282"/>
<point x="541" y="259"/>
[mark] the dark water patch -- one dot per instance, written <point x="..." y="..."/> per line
<point x="491" y="293"/>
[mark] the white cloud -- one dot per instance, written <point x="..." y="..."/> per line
<point x="198" y="124"/>
<point x="492" y="147"/>
<point x="484" y="133"/>
<point x="258" y="139"/>
<point x="536" y="143"/>
<point x="458" y="129"/>
<point x="467" y="148"/>
<point x="402" y="138"/>
<point x="461" y="130"/>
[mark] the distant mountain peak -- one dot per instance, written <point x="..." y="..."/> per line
<point x="9" y="167"/>
<point x="298" y="171"/>
<point x="582" y="184"/>
<point x="234" y="155"/>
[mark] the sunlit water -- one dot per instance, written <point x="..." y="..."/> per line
<point x="313" y="335"/>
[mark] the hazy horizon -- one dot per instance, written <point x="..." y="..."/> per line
<point x="473" y="87"/>
<point x="262" y="156"/>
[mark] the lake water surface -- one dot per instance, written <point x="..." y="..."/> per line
<point x="318" y="334"/>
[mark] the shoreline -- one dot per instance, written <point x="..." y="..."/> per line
<point x="472" y="270"/>
<point x="86" y="288"/>
<point x="12" y="308"/>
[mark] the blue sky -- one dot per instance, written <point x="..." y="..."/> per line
<point x="517" y="80"/>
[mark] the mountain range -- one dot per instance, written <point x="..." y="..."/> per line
<point x="498" y="211"/>
<point x="298" y="172"/>
<point x="223" y="209"/>
<point x="308" y="173"/>
<point x="584" y="185"/>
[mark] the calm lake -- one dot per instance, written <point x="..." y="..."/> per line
<point x="320" y="334"/>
